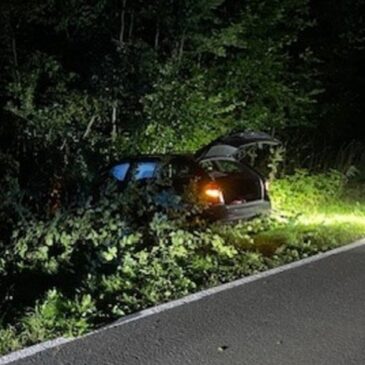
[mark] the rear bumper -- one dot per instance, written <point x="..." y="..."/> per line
<point x="240" y="211"/>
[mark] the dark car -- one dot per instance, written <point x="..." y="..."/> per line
<point x="231" y="188"/>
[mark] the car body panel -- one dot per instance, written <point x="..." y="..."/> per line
<point x="240" y="212"/>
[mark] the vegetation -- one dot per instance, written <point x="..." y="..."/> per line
<point x="90" y="265"/>
<point x="85" y="82"/>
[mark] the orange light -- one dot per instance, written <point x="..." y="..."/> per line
<point x="213" y="193"/>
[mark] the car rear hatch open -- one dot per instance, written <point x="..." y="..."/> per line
<point x="241" y="184"/>
<point x="236" y="145"/>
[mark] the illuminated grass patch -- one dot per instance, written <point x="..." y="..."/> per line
<point x="322" y="211"/>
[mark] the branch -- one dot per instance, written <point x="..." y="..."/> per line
<point x="131" y="24"/>
<point x="157" y="34"/>
<point x="181" y="48"/>
<point x="15" y="56"/>
<point x="15" y="53"/>
<point x="114" y="123"/>
<point x="88" y="128"/>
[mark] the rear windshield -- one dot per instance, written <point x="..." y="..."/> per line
<point x="222" y="166"/>
<point x="140" y="170"/>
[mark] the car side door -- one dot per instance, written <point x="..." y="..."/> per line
<point x="182" y="172"/>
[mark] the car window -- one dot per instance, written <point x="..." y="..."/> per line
<point x="119" y="172"/>
<point x="209" y="166"/>
<point x="144" y="170"/>
<point x="186" y="168"/>
<point x="181" y="168"/>
<point x="173" y="170"/>
<point x="228" y="167"/>
<point x="222" y="166"/>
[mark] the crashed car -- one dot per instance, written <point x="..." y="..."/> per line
<point x="230" y="188"/>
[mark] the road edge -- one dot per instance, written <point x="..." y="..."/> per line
<point x="32" y="350"/>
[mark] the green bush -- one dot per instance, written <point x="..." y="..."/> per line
<point x="306" y="192"/>
<point x="54" y="316"/>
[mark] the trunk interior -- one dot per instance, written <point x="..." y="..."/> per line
<point x="238" y="190"/>
<point x="238" y="186"/>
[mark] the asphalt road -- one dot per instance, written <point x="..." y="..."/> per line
<point x="312" y="314"/>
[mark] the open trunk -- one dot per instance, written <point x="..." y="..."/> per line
<point x="251" y="148"/>
<point x="227" y="159"/>
<point x="239" y="183"/>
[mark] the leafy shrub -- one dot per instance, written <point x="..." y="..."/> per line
<point x="305" y="192"/>
<point x="55" y="315"/>
<point x="9" y="341"/>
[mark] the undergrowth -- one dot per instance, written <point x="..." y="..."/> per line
<point x="92" y="264"/>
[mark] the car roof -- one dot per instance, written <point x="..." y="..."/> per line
<point x="153" y="157"/>
<point x="149" y="158"/>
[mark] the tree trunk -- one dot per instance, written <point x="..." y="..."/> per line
<point x="181" y="47"/>
<point x="15" y="58"/>
<point x="122" y="23"/>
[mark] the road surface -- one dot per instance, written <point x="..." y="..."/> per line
<point x="309" y="314"/>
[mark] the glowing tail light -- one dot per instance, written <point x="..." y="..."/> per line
<point x="213" y="194"/>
